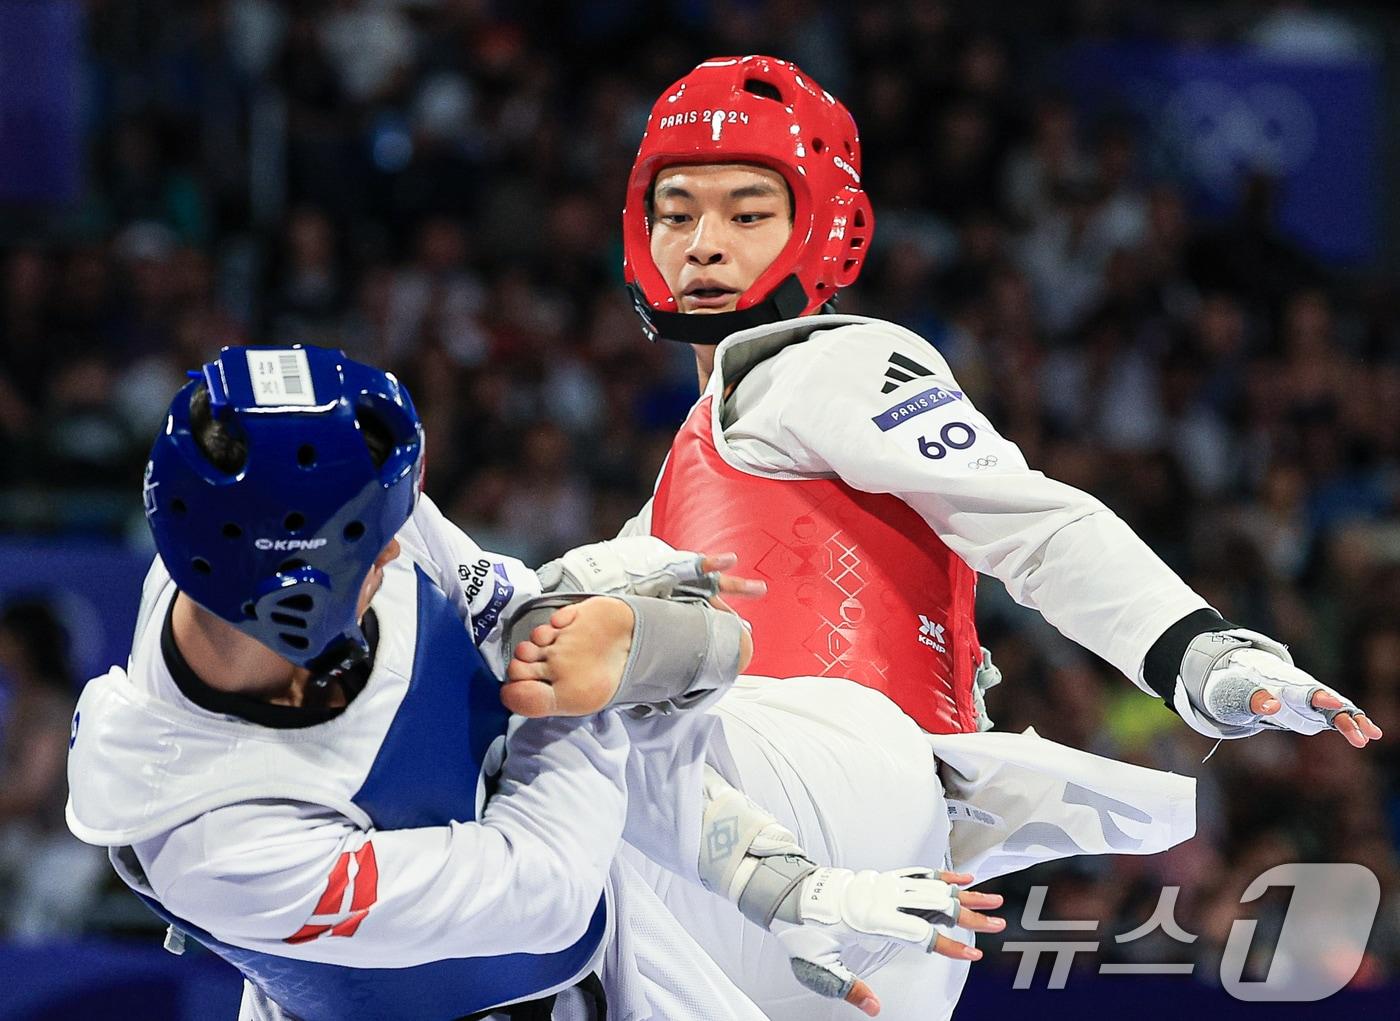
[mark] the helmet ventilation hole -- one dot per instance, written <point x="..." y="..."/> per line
<point x="178" y="506"/>
<point x="818" y="146"/>
<point x="231" y="531"/>
<point x="250" y="611"/>
<point x="298" y="642"/>
<point x="354" y="531"/>
<point x="293" y="521"/>
<point x="858" y="219"/>
<point x="288" y="566"/>
<point x="306" y="455"/>
<point x="201" y="566"/>
<point x="301" y="602"/>
<point x="287" y="620"/>
<point x="762" y="89"/>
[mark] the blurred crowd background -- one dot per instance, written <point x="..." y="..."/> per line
<point x="435" y="186"/>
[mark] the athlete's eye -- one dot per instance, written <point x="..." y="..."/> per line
<point x="673" y="219"/>
<point x="752" y="217"/>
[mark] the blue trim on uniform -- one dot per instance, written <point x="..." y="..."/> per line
<point x="933" y="397"/>
<point x="438" y="991"/>
<point x="425" y="773"/>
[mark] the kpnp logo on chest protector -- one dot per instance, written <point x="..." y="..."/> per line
<point x="931" y="634"/>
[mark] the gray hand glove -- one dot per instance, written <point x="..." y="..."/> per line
<point x="1223" y="670"/>
<point x="638" y="565"/>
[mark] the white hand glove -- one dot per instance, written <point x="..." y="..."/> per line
<point x="1237" y="676"/>
<point x="753" y="861"/>
<point x="904" y="904"/>
<point x="835" y="907"/>
<point x="637" y="565"/>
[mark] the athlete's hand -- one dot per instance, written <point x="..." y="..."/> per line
<point x="1257" y="686"/>
<point x="711" y="573"/>
<point x="572" y="665"/>
<point x="903" y="905"/>
<point x="643" y="565"/>
<point x="816" y="963"/>
<point x="839" y="906"/>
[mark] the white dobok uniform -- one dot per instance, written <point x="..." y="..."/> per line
<point x="355" y="868"/>
<point x="866" y="402"/>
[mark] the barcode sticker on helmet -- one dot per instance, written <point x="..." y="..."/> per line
<point x="280" y="377"/>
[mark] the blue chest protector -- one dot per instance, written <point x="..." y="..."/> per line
<point x="425" y="774"/>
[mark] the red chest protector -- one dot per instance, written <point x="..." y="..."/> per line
<point x="859" y="586"/>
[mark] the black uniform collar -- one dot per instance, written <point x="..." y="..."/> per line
<point x="254" y="710"/>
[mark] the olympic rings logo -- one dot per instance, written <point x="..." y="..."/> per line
<point x="990" y="461"/>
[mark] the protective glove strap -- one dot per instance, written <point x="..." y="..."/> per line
<point x="775" y="889"/>
<point x="1212" y="712"/>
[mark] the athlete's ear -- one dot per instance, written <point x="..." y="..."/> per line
<point x="388" y="553"/>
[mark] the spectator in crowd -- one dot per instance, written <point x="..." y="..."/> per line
<point x="50" y="876"/>
<point x="430" y="184"/>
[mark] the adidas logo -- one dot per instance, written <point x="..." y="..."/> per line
<point x="902" y="370"/>
<point x="931" y="634"/>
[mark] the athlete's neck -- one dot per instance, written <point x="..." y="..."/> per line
<point x="226" y="659"/>
<point x="704" y="363"/>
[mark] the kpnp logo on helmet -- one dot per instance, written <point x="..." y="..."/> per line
<point x="289" y="544"/>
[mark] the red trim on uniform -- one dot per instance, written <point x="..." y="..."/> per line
<point x="306" y="934"/>
<point x="366" y="892"/>
<point x="334" y="897"/>
<point x="366" y="884"/>
<point x="348" y="927"/>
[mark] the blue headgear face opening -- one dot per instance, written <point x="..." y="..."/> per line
<point x="280" y="544"/>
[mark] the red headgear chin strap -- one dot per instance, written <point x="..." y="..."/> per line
<point x="763" y="111"/>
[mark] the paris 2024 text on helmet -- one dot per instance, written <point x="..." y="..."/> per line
<point x="275" y="527"/>
<point x="766" y="112"/>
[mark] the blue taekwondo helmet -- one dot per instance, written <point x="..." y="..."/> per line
<point x="279" y="543"/>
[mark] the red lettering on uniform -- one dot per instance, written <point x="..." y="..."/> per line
<point x="331" y="915"/>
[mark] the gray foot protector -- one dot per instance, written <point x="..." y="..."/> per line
<point x="681" y="649"/>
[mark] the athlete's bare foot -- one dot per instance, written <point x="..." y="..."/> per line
<point x="572" y="665"/>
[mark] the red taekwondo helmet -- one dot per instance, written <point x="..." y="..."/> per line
<point x="764" y="111"/>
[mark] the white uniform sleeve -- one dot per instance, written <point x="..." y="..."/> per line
<point x="486" y="588"/>
<point x="639" y="524"/>
<point x="526" y="878"/>
<point x="1056" y="549"/>
<point x="665" y="779"/>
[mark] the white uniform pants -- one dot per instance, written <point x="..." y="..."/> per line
<point x="855" y="780"/>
